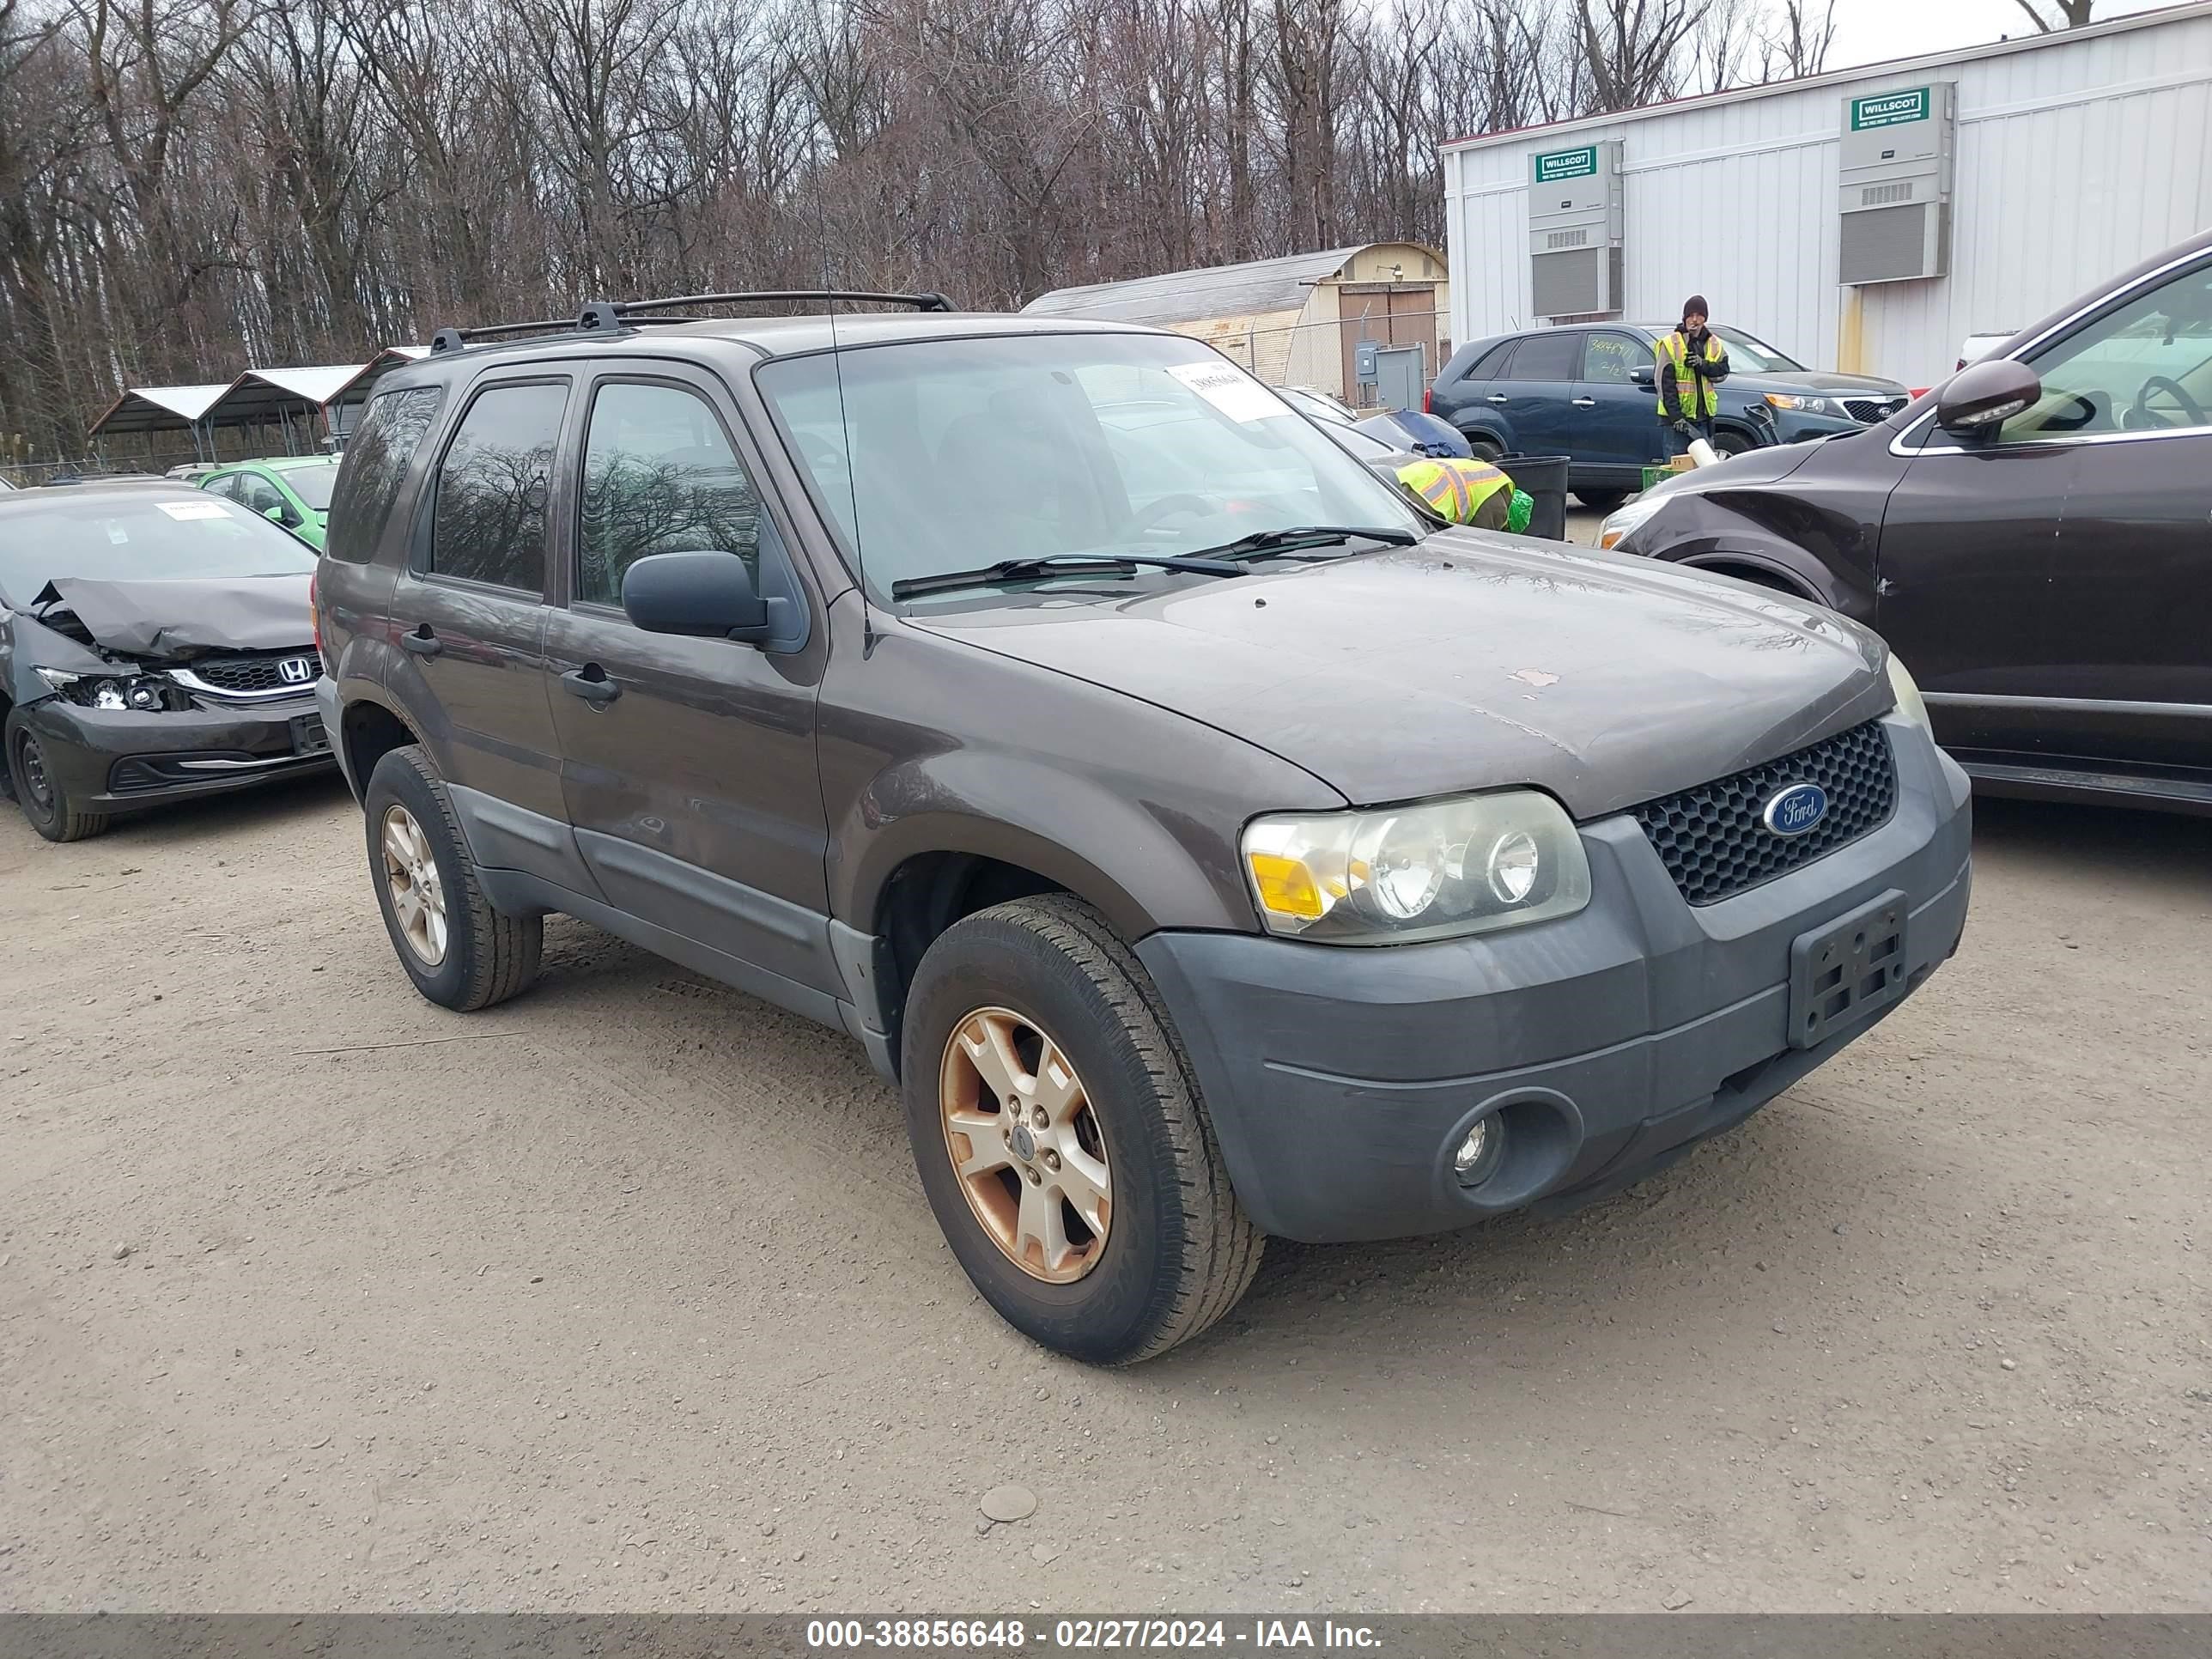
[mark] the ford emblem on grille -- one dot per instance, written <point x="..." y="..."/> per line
<point x="1794" y="810"/>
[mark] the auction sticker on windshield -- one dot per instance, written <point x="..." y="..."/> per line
<point x="1229" y="389"/>
<point x="193" y="509"/>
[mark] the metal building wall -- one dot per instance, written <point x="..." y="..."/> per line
<point x="2079" y="154"/>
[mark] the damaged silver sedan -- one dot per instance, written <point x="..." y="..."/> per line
<point x="156" y="643"/>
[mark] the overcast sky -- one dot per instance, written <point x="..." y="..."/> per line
<point x="1868" y="31"/>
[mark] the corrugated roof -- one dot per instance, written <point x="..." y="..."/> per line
<point x="1259" y="286"/>
<point x="158" y="409"/>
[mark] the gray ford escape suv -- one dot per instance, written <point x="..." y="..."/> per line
<point x="1207" y="844"/>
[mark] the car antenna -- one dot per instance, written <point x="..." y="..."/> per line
<point x="845" y="421"/>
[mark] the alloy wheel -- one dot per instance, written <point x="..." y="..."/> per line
<point x="1025" y="1142"/>
<point x="418" y="894"/>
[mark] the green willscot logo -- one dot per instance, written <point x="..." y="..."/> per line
<point x="1889" y="109"/>
<point x="1566" y="164"/>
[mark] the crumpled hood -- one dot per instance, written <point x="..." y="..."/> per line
<point x="185" y="618"/>
<point x="1470" y="661"/>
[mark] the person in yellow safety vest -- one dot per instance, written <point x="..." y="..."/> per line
<point x="1692" y="363"/>
<point x="1468" y="492"/>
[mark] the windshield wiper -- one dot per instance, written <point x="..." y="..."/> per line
<point x="1271" y="543"/>
<point x="1058" y="564"/>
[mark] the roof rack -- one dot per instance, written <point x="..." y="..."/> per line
<point x="607" y="316"/>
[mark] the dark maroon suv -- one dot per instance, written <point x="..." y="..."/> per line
<point x="1207" y="844"/>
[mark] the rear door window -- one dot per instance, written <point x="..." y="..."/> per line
<point x="1546" y="357"/>
<point x="376" y="459"/>
<point x="488" y="518"/>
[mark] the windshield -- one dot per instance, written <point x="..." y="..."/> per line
<point x="312" y="484"/>
<point x="1749" y="354"/>
<point x="944" y="454"/>
<point x="141" y="536"/>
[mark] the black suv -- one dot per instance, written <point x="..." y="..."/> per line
<point x="2032" y="534"/>
<point x="1209" y="845"/>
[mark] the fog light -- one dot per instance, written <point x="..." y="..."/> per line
<point x="107" y="694"/>
<point x="1478" y="1154"/>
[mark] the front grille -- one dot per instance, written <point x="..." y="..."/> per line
<point x="260" y="673"/>
<point x="1868" y="411"/>
<point x="1715" y="842"/>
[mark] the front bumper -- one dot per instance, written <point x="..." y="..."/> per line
<point x="1340" y="1081"/>
<point x="1792" y="426"/>
<point x="112" y="760"/>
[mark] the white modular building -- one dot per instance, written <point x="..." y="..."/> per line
<point x="1867" y="220"/>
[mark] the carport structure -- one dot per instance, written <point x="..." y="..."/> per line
<point x="145" y="410"/>
<point x="289" y="398"/>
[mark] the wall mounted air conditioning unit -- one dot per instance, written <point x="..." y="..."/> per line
<point x="1575" y="219"/>
<point x="1899" y="150"/>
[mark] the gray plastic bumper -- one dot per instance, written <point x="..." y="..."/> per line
<point x="1340" y="1081"/>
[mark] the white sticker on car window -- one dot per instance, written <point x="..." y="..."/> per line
<point x="191" y="509"/>
<point x="1229" y="389"/>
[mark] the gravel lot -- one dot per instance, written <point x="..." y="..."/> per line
<point x="624" y="1296"/>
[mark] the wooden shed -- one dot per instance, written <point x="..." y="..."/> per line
<point x="1300" y="321"/>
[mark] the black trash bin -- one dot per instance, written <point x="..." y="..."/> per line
<point x="1544" y="477"/>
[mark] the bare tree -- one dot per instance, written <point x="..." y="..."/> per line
<point x="1631" y="49"/>
<point x="2052" y="15"/>
<point x="187" y="185"/>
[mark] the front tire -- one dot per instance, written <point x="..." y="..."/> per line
<point x="43" y="797"/>
<point x="1483" y="449"/>
<point x="1061" y="1139"/>
<point x="461" y="953"/>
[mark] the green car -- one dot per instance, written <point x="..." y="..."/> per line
<point x="293" y="489"/>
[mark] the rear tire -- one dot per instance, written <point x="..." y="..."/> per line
<point x="1483" y="449"/>
<point x="42" y="796"/>
<point x="1601" y="500"/>
<point x="1088" y="1045"/>
<point x="461" y="953"/>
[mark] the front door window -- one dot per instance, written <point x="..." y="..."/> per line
<point x="2145" y="366"/>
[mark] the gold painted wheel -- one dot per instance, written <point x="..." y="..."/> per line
<point x="1024" y="1141"/>
<point x="418" y="893"/>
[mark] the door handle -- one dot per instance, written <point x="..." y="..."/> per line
<point x="1585" y="403"/>
<point x="591" y="685"/>
<point x="423" y="642"/>
<point x="1498" y="397"/>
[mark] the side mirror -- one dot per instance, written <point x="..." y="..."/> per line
<point x="1984" y="396"/>
<point x="1642" y="374"/>
<point x="706" y="595"/>
<point x="279" y="514"/>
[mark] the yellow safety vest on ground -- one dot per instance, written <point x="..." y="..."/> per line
<point x="1460" y="490"/>
<point x="1698" y="396"/>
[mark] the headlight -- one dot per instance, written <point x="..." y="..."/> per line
<point x="1433" y="870"/>
<point x="139" y="691"/>
<point x="1627" y="520"/>
<point x="1910" y="704"/>
<point x="1808" y="405"/>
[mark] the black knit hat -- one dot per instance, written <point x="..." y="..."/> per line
<point x="1694" y="305"/>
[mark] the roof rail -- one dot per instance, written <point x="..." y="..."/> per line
<point x="605" y="316"/>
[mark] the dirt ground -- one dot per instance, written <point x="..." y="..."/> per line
<point x="623" y="1296"/>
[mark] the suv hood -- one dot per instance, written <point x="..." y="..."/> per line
<point x="174" y="621"/>
<point x="1471" y="661"/>
<point x="1826" y="381"/>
